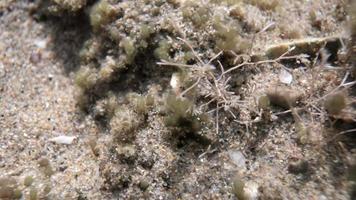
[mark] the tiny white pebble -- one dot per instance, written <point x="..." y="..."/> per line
<point x="2" y="70"/>
<point x="285" y="77"/>
<point x="40" y="43"/>
<point x="63" y="139"/>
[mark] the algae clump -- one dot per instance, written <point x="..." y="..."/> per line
<point x="181" y="114"/>
<point x="101" y="14"/>
<point x="123" y="125"/>
<point x="28" y="181"/>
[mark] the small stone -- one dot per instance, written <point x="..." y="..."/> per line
<point x="43" y="162"/>
<point x="50" y="77"/>
<point x="2" y="70"/>
<point x="144" y="185"/>
<point x="35" y="57"/>
<point x="237" y="158"/>
<point x="63" y="139"/>
<point x="285" y="77"/>
<point x="41" y="43"/>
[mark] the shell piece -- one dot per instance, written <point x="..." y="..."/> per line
<point x="285" y="77"/>
<point x="2" y="70"/>
<point x="41" y="43"/>
<point x="63" y="139"/>
<point x="237" y="158"/>
<point x="175" y="83"/>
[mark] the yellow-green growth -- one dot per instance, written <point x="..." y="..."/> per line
<point x="28" y="181"/>
<point x="123" y="125"/>
<point x="86" y="78"/>
<point x="101" y="14"/>
<point x="162" y="52"/>
<point x="142" y="104"/>
<point x="93" y="146"/>
<point x="180" y="114"/>
<point x="33" y="194"/>
<point x="264" y="4"/>
<point x="105" y="108"/>
<point x="353" y="19"/>
<point x="352" y="178"/>
<point x="46" y="167"/>
<point x="111" y="105"/>
<point x="289" y="32"/>
<point x="335" y="103"/>
<point x="146" y="31"/>
<point x="197" y="13"/>
<point x="316" y="19"/>
<point x="127" y="151"/>
<point x="143" y="184"/>
<point x="71" y="5"/>
<point x="82" y="100"/>
<point x="238" y="12"/>
<point x="106" y="72"/>
<point x="228" y="37"/>
<point x="303" y="132"/>
<point x="188" y="56"/>
<point x="238" y="186"/>
<point x="228" y="2"/>
<point x="276" y="51"/>
<point x="352" y="46"/>
<point x="17" y="194"/>
<point x="89" y="51"/>
<point x="9" y="188"/>
<point x="264" y="102"/>
<point x="47" y="189"/>
<point x="130" y="50"/>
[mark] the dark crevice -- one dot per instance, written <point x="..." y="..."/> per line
<point x="68" y="32"/>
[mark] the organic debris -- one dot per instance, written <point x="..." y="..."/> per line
<point x="171" y="99"/>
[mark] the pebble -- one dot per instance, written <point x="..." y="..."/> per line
<point x="2" y="70"/>
<point x="237" y="158"/>
<point x="63" y="139"/>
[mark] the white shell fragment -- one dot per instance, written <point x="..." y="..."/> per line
<point x="175" y="82"/>
<point x="237" y="158"/>
<point x="285" y="77"/>
<point x="63" y="139"/>
<point x="2" y="70"/>
<point x="41" y="43"/>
